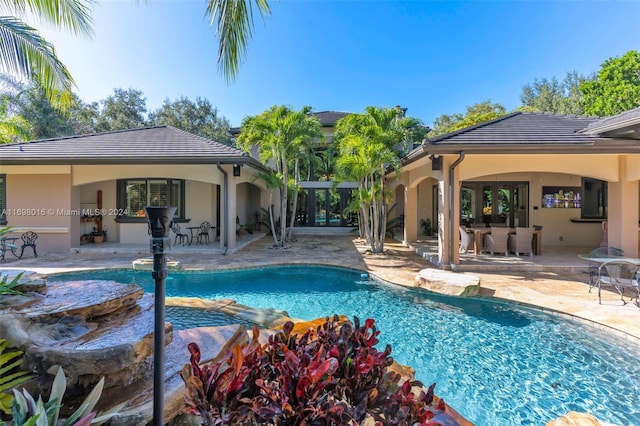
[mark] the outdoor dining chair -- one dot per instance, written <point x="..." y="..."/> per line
<point x="521" y="242"/>
<point x="29" y="240"/>
<point x="597" y="257"/>
<point x="496" y="241"/>
<point x="203" y="233"/>
<point x="183" y="238"/>
<point x="621" y="275"/>
<point x="466" y="240"/>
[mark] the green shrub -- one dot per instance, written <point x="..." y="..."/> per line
<point x="10" y="375"/>
<point x="28" y="412"/>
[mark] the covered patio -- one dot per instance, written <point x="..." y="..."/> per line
<point x="573" y="176"/>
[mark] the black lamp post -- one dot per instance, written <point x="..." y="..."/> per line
<point x="160" y="220"/>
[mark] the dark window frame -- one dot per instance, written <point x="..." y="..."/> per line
<point x="3" y="199"/>
<point x="121" y="196"/>
<point x="599" y="189"/>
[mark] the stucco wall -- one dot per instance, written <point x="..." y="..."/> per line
<point x="40" y="202"/>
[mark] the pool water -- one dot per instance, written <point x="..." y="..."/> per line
<point x="496" y="363"/>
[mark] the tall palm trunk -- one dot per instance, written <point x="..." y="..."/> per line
<point x="284" y="199"/>
<point x="296" y="174"/>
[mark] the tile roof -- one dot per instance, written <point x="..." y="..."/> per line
<point x="619" y="122"/>
<point x="148" y="145"/>
<point x="521" y="133"/>
<point x="329" y="118"/>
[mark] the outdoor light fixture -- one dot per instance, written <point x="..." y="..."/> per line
<point x="236" y="169"/>
<point x="436" y="162"/>
<point x="160" y="220"/>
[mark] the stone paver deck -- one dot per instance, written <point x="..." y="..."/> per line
<point x="554" y="291"/>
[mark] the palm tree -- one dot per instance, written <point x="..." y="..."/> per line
<point x="25" y="54"/>
<point x="282" y="137"/>
<point x="233" y="20"/>
<point x="369" y="143"/>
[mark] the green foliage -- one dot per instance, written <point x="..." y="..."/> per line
<point x="616" y="87"/>
<point x="199" y="118"/>
<point x="10" y="375"/>
<point x="333" y="375"/>
<point x="26" y="54"/>
<point x="475" y="114"/>
<point x="125" y="109"/>
<point x="550" y="95"/>
<point x="7" y="287"/>
<point x="233" y="20"/>
<point x="284" y="138"/>
<point x="26" y="411"/>
<point x="369" y="143"/>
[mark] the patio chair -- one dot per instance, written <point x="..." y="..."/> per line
<point x="599" y="253"/>
<point x="183" y="238"/>
<point x="620" y="275"/>
<point x="521" y="241"/>
<point x="466" y="240"/>
<point x="29" y="240"/>
<point x="203" y="233"/>
<point x="496" y="241"/>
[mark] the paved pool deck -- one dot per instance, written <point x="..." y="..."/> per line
<point x="558" y="292"/>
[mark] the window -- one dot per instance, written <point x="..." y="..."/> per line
<point x="135" y="194"/>
<point x="3" y="199"/>
<point x="594" y="199"/>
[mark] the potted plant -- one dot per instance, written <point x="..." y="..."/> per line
<point x="98" y="236"/>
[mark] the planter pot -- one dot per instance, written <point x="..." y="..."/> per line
<point x="98" y="239"/>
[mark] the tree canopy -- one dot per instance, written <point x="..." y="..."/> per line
<point x="125" y="109"/>
<point x="475" y="114"/>
<point x="368" y="143"/>
<point x="198" y="117"/>
<point x="283" y="138"/>
<point x="551" y="95"/>
<point x="616" y="87"/>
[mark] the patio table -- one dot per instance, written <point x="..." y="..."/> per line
<point x="191" y="233"/>
<point x="7" y="244"/>
<point x="479" y="233"/>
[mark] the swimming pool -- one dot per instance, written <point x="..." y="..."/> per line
<point x="498" y="364"/>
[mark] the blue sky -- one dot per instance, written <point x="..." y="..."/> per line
<point x="433" y="57"/>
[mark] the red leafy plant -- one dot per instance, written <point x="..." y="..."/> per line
<point x="333" y="375"/>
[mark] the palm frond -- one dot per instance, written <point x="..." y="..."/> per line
<point x="26" y="54"/>
<point x="70" y="15"/>
<point x="234" y="24"/>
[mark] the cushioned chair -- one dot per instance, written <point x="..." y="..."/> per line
<point x="466" y="240"/>
<point x="29" y="240"/>
<point x="496" y="241"/>
<point x="183" y="238"/>
<point x="521" y="241"/>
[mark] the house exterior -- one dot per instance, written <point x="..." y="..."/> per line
<point x="568" y="174"/>
<point x="63" y="188"/>
<point x="320" y="205"/>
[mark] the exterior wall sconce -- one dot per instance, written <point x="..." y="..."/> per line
<point x="236" y="169"/>
<point x="436" y="162"/>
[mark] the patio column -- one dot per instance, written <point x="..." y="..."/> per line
<point x="232" y="212"/>
<point x="410" y="213"/>
<point x="623" y="213"/>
